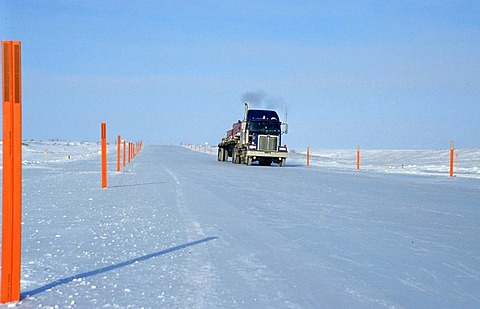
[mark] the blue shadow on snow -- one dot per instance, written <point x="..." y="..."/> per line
<point x="111" y="267"/>
<point x="138" y="184"/>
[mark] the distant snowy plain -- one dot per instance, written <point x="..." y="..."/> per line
<point x="177" y="229"/>
<point x="415" y="162"/>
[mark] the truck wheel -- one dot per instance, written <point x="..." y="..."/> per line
<point x="225" y="155"/>
<point x="238" y="159"/>
<point x="234" y="157"/>
<point x="221" y="155"/>
<point x="249" y="161"/>
<point x="282" y="163"/>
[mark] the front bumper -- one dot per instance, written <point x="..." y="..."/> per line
<point x="267" y="154"/>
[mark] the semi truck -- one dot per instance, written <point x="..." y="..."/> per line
<point x="256" y="138"/>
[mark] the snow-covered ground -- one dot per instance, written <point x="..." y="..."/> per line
<point x="177" y="229"/>
<point x="419" y="162"/>
<point x="415" y="162"/>
<point x="42" y="152"/>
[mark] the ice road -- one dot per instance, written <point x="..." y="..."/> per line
<point x="177" y="229"/>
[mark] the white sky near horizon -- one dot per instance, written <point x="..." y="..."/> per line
<point x="382" y="74"/>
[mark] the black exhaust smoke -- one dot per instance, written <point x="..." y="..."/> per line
<point x="261" y="100"/>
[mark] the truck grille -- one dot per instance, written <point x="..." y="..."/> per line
<point x="267" y="143"/>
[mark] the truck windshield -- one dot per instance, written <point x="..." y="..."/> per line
<point x="264" y="127"/>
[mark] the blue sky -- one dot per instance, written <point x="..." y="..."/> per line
<point x="382" y="74"/>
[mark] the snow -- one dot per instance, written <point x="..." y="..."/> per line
<point x="418" y="162"/>
<point x="177" y="229"/>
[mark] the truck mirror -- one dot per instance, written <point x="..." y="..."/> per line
<point x="286" y="127"/>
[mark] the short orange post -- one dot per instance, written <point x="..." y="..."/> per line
<point x="358" y="157"/>
<point x="308" y="156"/>
<point x="452" y="154"/>
<point x="118" y="153"/>
<point x="12" y="171"/>
<point x="104" y="154"/>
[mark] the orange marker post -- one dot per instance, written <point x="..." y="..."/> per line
<point x="104" y="154"/>
<point x="452" y="153"/>
<point x="358" y="157"/>
<point x="118" y="153"/>
<point x="12" y="171"/>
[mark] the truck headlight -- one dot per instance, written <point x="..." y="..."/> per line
<point x="252" y="147"/>
<point x="282" y="148"/>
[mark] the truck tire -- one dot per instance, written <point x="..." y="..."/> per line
<point x="282" y="163"/>
<point x="249" y="161"/>
<point x="221" y="155"/>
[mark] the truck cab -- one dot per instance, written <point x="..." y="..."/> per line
<point x="264" y="131"/>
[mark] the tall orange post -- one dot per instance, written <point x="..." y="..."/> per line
<point x="358" y="157"/>
<point x="104" y="154"/>
<point x="118" y="153"/>
<point x="129" y="152"/>
<point x="12" y="171"/>
<point x="452" y="153"/>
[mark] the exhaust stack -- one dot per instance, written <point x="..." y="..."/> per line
<point x="246" y="111"/>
